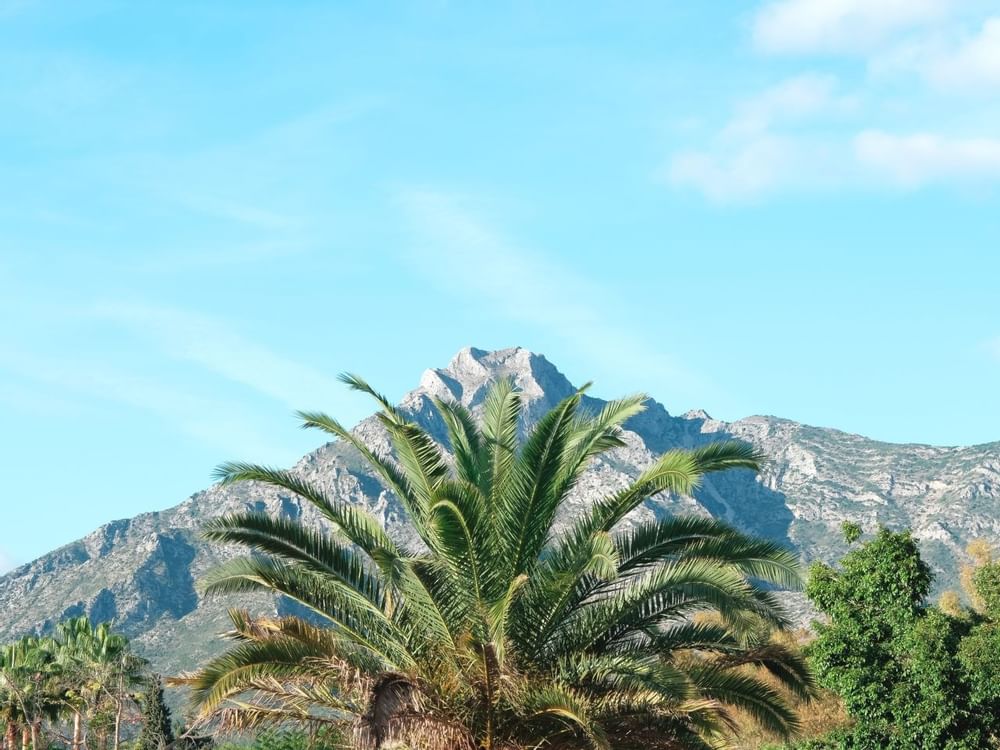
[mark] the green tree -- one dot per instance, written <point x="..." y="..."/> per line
<point x="157" y="731"/>
<point x="851" y="531"/>
<point x="911" y="676"/>
<point x="496" y="631"/>
<point x="98" y="671"/>
<point x="29" y="693"/>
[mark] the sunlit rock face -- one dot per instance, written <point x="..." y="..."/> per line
<point x="142" y="573"/>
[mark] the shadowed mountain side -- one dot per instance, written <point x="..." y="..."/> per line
<point x="142" y="572"/>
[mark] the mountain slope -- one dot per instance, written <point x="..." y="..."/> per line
<point x="143" y="572"/>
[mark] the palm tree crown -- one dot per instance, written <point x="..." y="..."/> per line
<point x="495" y="631"/>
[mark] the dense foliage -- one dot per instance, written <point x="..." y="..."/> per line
<point x="912" y="676"/>
<point x="493" y="631"/>
<point x="74" y="688"/>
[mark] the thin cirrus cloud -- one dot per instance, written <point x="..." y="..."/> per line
<point x="471" y="258"/>
<point x="201" y="342"/>
<point x="838" y="26"/>
<point x="217" y="348"/>
<point x="207" y="419"/>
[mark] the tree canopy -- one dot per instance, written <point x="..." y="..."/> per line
<point x="912" y="676"/>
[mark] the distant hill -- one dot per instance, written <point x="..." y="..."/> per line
<point x="143" y="572"/>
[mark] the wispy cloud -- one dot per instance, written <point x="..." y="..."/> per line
<point x="218" y="422"/>
<point x="216" y="347"/>
<point x="467" y="257"/>
<point x="917" y="159"/>
<point x="812" y="132"/>
<point x="763" y="146"/>
<point x="838" y="26"/>
<point x="957" y="61"/>
<point x="162" y="373"/>
<point x="793" y="100"/>
<point x="748" y="168"/>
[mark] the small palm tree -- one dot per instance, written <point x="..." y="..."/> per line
<point x="495" y="631"/>
<point x="29" y="691"/>
<point x="98" y="668"/>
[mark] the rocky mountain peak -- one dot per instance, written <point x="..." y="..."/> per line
<point x="467" y="377"/>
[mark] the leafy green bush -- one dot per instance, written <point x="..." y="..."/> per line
<point x="912" y="677"/>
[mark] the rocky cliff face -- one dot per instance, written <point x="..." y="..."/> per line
<point x="143" y="572"/>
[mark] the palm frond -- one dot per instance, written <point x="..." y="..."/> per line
<point x="748" y="693"/>
<point x="530" y="505"/>
<point x="290" y="540"/>
<point x="356" y="523"/>
<point x="467" y="443"/>
<point x="358" y="383"/>
<point x="353" y="615"/>
<point x="501" y="418"/>
<point x="707" y="538"/>
<point x="594" y="435"/>
<point x="394" y="479"/>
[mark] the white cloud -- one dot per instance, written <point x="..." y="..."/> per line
<point x="762" y="147"/>
<point x="807" y="132"/>
<point x="975" y="63"/>
<point x="917" y="159"/>
<point x="748" y="169"/>
<point x="838" y="26"/>
<point x="789" y="101"/>
<point x="957" y="63"/>
<point x="467" y="257"/>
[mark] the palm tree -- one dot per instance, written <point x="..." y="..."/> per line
<point x="495" y="631"/>
<point x="28" y="693"/>
<point x="98" y="668"/>
<point x="12" y="714"/>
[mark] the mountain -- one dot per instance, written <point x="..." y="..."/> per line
<point x="143" y="572"/>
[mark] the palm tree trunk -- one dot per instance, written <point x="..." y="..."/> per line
<point x="10" y="736"/>
<point x="76" y="730"/>
<point x="25" y="737"/>
<point x="118" y="722"/>
<point x="119" y="707"/>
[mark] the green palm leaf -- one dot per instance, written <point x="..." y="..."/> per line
<point x="494" y="632"/>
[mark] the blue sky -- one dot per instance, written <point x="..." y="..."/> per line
<point x="207" y="210"/>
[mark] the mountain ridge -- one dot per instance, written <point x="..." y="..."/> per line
<point x="142" y="572"/>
